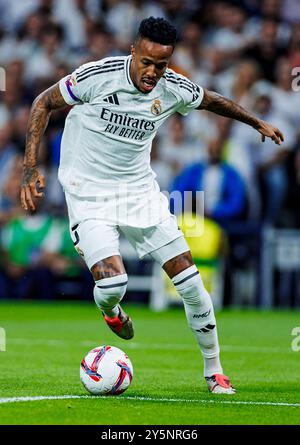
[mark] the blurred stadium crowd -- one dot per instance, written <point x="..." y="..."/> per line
<point x="247" y="50"/>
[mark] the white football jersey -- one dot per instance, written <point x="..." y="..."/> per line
<point x="108" y="133"/>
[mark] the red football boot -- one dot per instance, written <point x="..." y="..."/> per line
<point x="219" y="384"/>
<point x="121" y="325"/>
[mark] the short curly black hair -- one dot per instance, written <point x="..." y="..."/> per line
<point x="157" y="30"/>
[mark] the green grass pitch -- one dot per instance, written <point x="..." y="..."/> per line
<point x="46" y="342"/>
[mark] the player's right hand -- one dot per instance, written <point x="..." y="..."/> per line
<point x="32" y="184"/>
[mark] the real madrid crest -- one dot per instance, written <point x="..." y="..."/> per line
<point x="156" y="108"/>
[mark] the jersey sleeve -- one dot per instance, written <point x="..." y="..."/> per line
<point x="76" y="87"/>
<point x="191" y="95"/>
<point x="70" y="91"/>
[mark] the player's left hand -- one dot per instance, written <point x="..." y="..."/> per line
<point x="269" y="131"/>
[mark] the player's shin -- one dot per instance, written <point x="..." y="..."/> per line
<point x="108" y="293"/>
<point x="200" y="316"/>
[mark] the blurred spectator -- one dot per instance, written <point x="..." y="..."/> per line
<point x="20" y="126"/>
<point x="188" y="55"/>
<point x="230" y="37"/>
<point x="247" y="74"/>
<point x="269" y="10"/>
<point x="285" y="100"/>
<point x="15" y="74"/>
<point x="164" y="172"/>
<point x="272" y="9"/>
<point x="7" y="152"/>
<point x="29" y="36"/>
<point x="270" y="160"/>
<point x="293" y="195"/>
<point x="12" y="99"/>
<point x="291" y="11"/>
<point x="51" y="52"/>
<point x="36" y="252"/>
<point x="237" y="83"/>
<point x="14" y="12"/>
<point x="74" y="16"/>
<point x="200" y="128"/>
<point x="224" y="190"/>
<point x="54" y="202"/>
<point x="267" y="50"/>
<point x="175" y="150"/>
<point x="263" y="162"/>
<point x="100" y="44"/>
<point x="124" y="17"/>
<point x="239" y="153"/>
<point x="294" y="45"/>
<point x="179" y="12"/>
<point x="7" y="47"/>
<point x="10" y="193"/>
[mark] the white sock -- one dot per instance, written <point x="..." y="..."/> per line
<point x="108" y="293"/>
<point x="212" y="366"/>
<point x="111" y="312"/>
<point x="200" y="316"/>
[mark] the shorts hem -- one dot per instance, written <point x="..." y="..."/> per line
<point x="170" y="250"/>
<point x="100" y="255"/>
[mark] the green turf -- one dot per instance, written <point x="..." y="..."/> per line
<point x="46" y="342"/>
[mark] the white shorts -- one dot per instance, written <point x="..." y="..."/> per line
<point x="95" y="240"/>
<point x="123" y="206"/>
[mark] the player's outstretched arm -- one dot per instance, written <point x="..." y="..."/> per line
<point x="218" y="104"/>
<point x="50" y="99"/>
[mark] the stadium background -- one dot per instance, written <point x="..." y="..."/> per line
<point x="247" y="50"/>
<point x="248" y="256"/>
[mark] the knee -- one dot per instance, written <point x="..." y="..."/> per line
<point x="108" y="292"/>
<point x="190" y="287"/>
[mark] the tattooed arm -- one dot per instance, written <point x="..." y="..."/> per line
<point x="50" y="99"/>
<point x="225" y="107"/>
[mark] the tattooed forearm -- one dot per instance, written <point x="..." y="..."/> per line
<point x="37" y="124"/>
<point x="42" y="106"/>
<point x="33" y="182"/>
<point x="225" y="107"/>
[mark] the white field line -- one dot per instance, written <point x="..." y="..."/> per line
<point x="147" y="346"/>
<point x="146" y="399"/>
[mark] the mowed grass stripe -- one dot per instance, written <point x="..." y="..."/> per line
<point x="146" y="399"/>
<point x="163" y="346"/>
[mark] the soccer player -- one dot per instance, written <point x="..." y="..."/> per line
<point x="118" y="105"/>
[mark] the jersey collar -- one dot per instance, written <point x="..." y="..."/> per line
<point x="127" y="71"/>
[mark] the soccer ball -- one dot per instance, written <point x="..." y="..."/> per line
<point x="106" y="370"/>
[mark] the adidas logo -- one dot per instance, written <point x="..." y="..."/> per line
<point x="207" y="328"/>
<point x="113" y="99"/>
